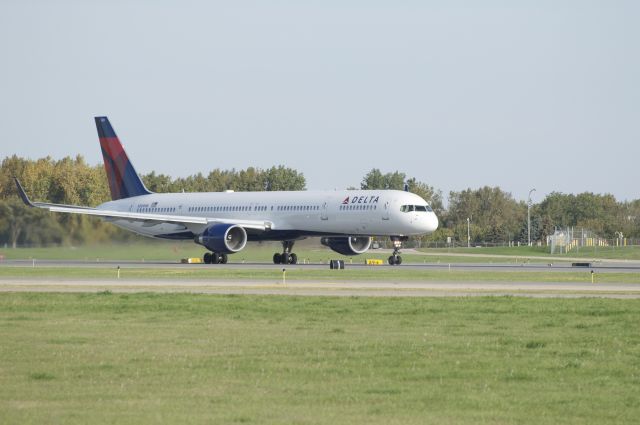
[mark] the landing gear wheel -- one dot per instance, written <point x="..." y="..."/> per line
<point x="223" y="258"/>
<point x="207" y="258"/>
<point x="395" y="260"/>
<point x="286" y="257"/>
<point x="215" y="258"/>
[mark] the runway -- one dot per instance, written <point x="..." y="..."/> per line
<point x="387" y="287"/>
<point x="600" y="267"/>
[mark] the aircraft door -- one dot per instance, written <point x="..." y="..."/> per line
<point x="323" y="212"/>
<point x="385" y="211"/>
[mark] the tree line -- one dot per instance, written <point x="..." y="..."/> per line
<point x="494" y="215"/>
<point x="73" y="181"/>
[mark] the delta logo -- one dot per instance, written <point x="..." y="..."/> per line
<point x="360" y="200"/>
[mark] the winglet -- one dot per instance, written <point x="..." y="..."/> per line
<point x="23" y="194"/>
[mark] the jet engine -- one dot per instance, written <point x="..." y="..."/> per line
<point x="350" y="245"/>
<point x="223" y="238"/>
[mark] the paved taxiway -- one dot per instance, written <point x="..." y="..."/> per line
<point x="599" y="267"/>
<point x="335" y="287"/>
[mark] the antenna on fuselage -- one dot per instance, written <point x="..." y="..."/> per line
<point x="406" y="187"/>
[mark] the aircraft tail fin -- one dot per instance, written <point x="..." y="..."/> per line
<point x="124" y="181"/>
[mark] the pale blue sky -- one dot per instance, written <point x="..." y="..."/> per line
<point x="516" y="94"/>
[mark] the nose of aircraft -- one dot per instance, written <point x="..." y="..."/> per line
<point x="431" y="222"/>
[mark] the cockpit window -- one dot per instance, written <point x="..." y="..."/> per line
<point x="409" y="208"/>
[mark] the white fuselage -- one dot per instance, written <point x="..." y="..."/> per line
<point x="285" y="214"/>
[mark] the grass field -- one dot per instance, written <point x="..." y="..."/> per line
<point x="145" y="358"/>
<point x="252" y="253"/>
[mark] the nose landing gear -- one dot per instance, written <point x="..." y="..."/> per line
<point x="395" y="259"/>
<point x="287" y="257"/>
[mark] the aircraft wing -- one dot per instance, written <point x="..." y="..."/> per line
<point x="148" y="218"/>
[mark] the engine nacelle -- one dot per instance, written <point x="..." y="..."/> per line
<point x="227" y="238"/>
<point x="350" y="245"/>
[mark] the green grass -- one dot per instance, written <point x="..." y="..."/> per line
<point x="159" y="251"/>
<point x="174" y="251"/>
<point x="150" y="358"/>
<point x="299" y="273"/>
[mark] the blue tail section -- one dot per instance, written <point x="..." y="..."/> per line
<point x="124" y="182"/>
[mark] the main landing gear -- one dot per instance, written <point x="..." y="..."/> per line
<point x="287" y="257"/>
<point x="395" y="259"/>
<point x="215" y="258"/>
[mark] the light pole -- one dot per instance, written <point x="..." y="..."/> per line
<point x="468" y="234"/>
<point x="529" y="218"/>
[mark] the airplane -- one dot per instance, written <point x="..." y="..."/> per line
<point x="223" y="222"/>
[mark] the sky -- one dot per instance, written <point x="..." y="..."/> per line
<point x="458" y="94"/>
